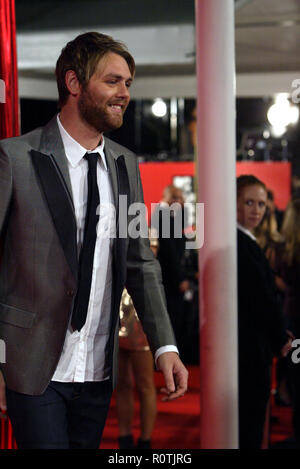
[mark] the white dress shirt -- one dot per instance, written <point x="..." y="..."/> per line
<point x="83" y="357"/>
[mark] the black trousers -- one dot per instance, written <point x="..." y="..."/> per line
<point x="65" y="416"/>
<point x="252" y="416"/>
<point x="254" y="394"/>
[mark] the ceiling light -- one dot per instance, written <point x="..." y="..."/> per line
<point x="159" y="108"/>
<point x="282" y="113"/>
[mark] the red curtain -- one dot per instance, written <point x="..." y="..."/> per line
<point x="9" y="103"/>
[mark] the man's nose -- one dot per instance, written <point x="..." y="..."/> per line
<point x="123" y="91"/>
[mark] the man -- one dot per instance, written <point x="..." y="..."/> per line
<point x="60" y="284"/>
<point x="171" y="256"/>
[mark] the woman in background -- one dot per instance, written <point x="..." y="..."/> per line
<point x="135" y="366"/>
<point x="260" y="322"/>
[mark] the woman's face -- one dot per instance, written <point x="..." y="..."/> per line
<point x="251" y="206"/>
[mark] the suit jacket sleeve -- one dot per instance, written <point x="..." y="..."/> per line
<point x="144" y="283"/>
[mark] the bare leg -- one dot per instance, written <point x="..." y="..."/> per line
<point x="142" y="366"/>
<point x="124" y="395"/>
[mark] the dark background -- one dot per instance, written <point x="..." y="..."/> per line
<point x="150" y="137"/>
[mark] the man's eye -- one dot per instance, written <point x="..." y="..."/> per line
<point x="249" y="202"/>
<point x="262" y="204"/>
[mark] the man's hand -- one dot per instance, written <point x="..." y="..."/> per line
<point x="175" y="374"/>
<point x="2" y="394"/>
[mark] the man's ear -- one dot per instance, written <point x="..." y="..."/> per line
<point x="72" y="82"/>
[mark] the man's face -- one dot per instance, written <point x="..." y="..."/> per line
<point x="251" y="206"/>
<point x="103" y="101"/>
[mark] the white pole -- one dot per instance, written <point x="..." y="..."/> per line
<point x="216" y="189"/>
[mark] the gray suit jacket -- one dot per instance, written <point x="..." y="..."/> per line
<point x="38" y="262"/>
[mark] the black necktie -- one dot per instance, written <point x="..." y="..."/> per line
<point x="87" y="251"/>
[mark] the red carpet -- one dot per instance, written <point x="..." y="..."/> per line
<point x="281" y="416"/>
<point x="177" y="423"/>
<point x="281" y="429"/>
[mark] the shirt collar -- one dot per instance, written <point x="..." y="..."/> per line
<point x="247" y="232"/>
<point x="74" y="151"/>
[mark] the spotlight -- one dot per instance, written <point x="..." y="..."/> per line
<point x="282" y="114"/>
<point x="159" y="108"/>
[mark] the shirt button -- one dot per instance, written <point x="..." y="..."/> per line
<point x="70" y="292"/>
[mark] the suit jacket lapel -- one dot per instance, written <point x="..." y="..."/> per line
<point x="118" y="175"/>
<point x="51" y="144"/>
<point x="51" y="167"/>
<point x="111" y="158"/>
<point x="120" y="186"/>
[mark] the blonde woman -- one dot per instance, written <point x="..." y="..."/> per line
<point x="135" y="367"/>
<point x="261" y="330"/>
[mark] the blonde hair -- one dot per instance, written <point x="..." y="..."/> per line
<point x="246" y="180"/>
<point x="291" y="232"/>
<point x="267" y="230"/>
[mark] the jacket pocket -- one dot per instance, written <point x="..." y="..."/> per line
<point x="15" y="316"/>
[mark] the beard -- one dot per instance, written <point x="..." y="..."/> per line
<point x="96" y="115"/>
